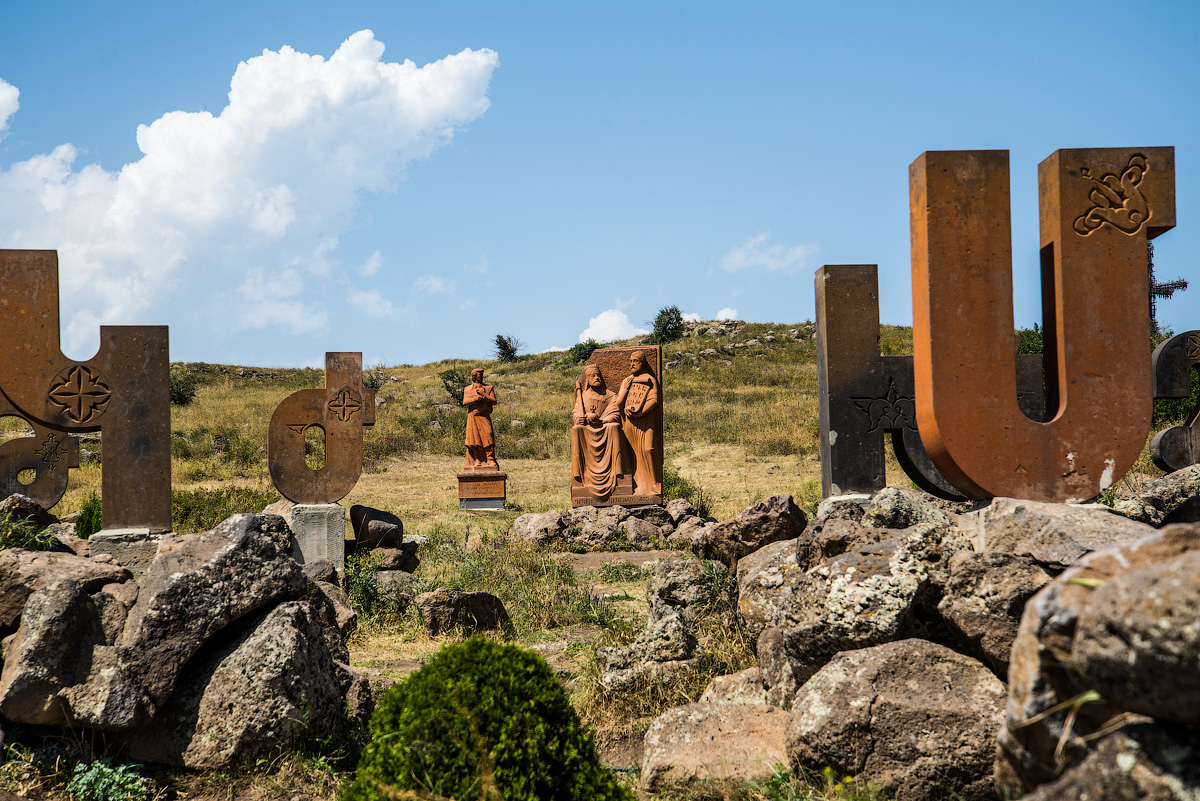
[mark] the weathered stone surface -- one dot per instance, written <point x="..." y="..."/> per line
<point x="1160" y="498"/>
<point x="1040" y="678"/>
<point x="133" y="548"/>
<point x="1137" y="642"/>
<point x="655" y="515"/>
<point x="893" y="507"/>
<point x="271" y="685"/>
<point x="321" y="570"/>
<point x="443" y="609"/>
<point x="23" y="572"/>
<point x="983" y="600"/>
<point x="916" y="718"/>
<point x="713" y="741"/>
<point x="641" y="534"/>
<point x="665" y="649"/>
<point x="851" y="506"/>
<point x="827" y="537"/>
<point x="198" y="586"/>
<point x="355" y="687"/>
<point x="22" y="507"/>
<point x="689" y="529"/>
<point x="775" y="670"/>
<point x="113" y="603"/>
<point x="777" y="518"/>
<point x="403" y="558"/>
<point x="766" y="581"/>
<point x="1146" y="762"/>
<point x="681" y="586"/>
<point x="743" y="687"/>
<point x="1053" y="534"/>
<point x="333" y="610"/>
<point x="375" y="527"/>
<point x="397" y="589"/>
<point x="680" y="508"/>
<point x="542" y="528"/>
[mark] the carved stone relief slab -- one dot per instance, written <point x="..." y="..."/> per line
<point x="1173" y="362"/>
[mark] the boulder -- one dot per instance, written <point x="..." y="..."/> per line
<point x="541" y="528"/>
<point x="777" y="518"/>
<point x="827" y="537"/>
<point x="983" y="600"/>
<point x="444" y="609"/>
<point x="780" y="680"/>
<point x="851" y="506"/>
<point x="915" y="718"/>
<point x="1042" y="684"/>
<point x="894" y="507"/>
<point x="713" y="741"/>
<point x="1053" y="534"/>
<point x="679" y="509"/>
<point x="266" y="689"/>
<point x="320" y="570"/>
<point x="22" y="507"/>
<point x="355" y="687"/>
<point x="591" y="528"/>
<point x="687" y="532"/>
<point x="397" y="589"/>
<point x="743" y="687"/>
<point x="639" y="533"/>
<point x="663" y="651"/>
<point x="23" y="572"/>
<point x="653" y="514"/>
<point x="1160" y="499"/>
<point x="375" y="527"/>
<point x="198" y="586"/>
<point x="766" y="580"/>
<point x="403" y="558"/>
<point x="1137" y="642"/>
<point x="682" y="586"/>
<point x="338" y="619"/>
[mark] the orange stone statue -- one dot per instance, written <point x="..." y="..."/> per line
<point x="480" y="399"/>
<point x="638" y="399"/>
<point x="597" y="456"/>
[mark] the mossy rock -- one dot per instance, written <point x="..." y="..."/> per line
<point x="482" y="721"/>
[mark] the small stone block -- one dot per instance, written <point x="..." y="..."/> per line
<point x="320" y="532"/>
<point x="482" y="490"/>
<point x="481" y="504"/>
<point x="131" y="548"/>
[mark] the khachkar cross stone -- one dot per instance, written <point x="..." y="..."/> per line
<point x="341" y="410"/>
<point x="1098" y="210"/>
<point x="1173" y="362"/>
<point x="122" y="392"/>
<point x="865" y="399"/>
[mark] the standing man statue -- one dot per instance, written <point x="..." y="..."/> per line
<point x="480" y="398"/>
<point x="638" y="398"/>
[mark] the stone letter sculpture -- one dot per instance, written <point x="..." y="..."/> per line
<point x="1098" y="208"/>
<point x="123" y="392"/>
<point x="480" y="399"/>
<point x="616" y="436"/>
<point x="48" y="453"/>
<point x="863" y="396"/>
<point x="342" y="409"/>
<point x="1174" y="359"/>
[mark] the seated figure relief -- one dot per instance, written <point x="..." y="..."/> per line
<point x="616" y="436"/>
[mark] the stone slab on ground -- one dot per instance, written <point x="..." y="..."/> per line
<point x="713" y="741"/>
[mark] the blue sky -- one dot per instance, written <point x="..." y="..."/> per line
<point x="540" y="169"/>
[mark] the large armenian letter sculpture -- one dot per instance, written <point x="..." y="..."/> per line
<point x="1098" y="208"/>
<point x="340" y="410"/>
<point x="1173" y="361"/>
<point x="864" y="398"/>
<point x="123" y="392"/>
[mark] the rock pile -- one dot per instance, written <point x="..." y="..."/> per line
<point x="223" y="651"/>
<point x="887" y="629"/>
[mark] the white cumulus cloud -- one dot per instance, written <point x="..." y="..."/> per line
<point x="8" y="104"/>
<point x="758" y="252"/>
<point x="231" y="221"/>
<point x="370" y="303"/>
<point x="727" y="314"/>
<point x="434" y="285"/>
<point x="691" y="317"/>
<point x="371" y="266"/>
<point x="611" y="325"/>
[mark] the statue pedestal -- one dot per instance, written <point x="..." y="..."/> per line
<point x="482" y="489"/>
<point x="131" y="548"/>
<point x="320" y="532"/>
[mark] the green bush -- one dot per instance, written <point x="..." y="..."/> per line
<point x="507" y="347"/>
<point x="580" y="352"/>
<point x="668" y="326"/>
<point x="100" y="781"/>
<point x="24" y="534"/>
<point x="201" y="509"/>
<point x="89" y="520"/>
<point x="183" y="387"/>
<point x="481" y="720"/>
<point x="455" y="382"/>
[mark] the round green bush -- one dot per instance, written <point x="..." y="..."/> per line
<point x="482" y="721"/>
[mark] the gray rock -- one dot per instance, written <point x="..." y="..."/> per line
<point x="355" y="687"/>
<point x="682" y="586"/>
<point x="827" y="537"/>
<point x="320" y="570"/>
<point x="983" y="601"/>
<point x="679" y="509"/>
<point x="916" y="718"/>
<point x="338" y="618"/>
<point x="656" y="516"/>
<point x="1138" y="641"/>
<point x="743" y="687"/>
<point x="687" y="532"/>
<point x="593" y="529"/>
<point x="713" y="741"/>
<point x="198" y="586"/>
<point x="403" y="558"/>
<point x="444" y="609"/>
<point x="375" y="527"/>
<point x="1158" y="499"/>
<point x="1053" y="534"/>
<point x="22" y="507"/>
<point x="893" y="507"/>
<point x="23" y="572"/>
<point x="775" y="671"/>
<point x="271" y="686"/>
<point x="639" y="533"/>
<point x="777" y="518"/>
<point x="542" y="528"/>
<point x="766" y="580"/>
<point x="851" y="506"/>
<point x="662" y="651"/>
<point x="397" y="589"/>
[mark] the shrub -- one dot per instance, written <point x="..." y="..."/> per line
<point x="24" y="534"/>
<point x="676" y="486"/>
<point x="201" y="509"/>
<point x="100" y="781"/>
<point x="580" y="352"/>
<point x="507" y="347"/>
<point x="90" y="518"/>
<point x="668" y="326"/>
<point x="374" y="378"/>
<point x="455" y="382"/>
<point x="183" y="387"/>
<point x="481" y="720"/>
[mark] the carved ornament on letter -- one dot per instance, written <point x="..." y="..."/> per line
<point x="1116" y="200"/>
<point x="81" y="392"/>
